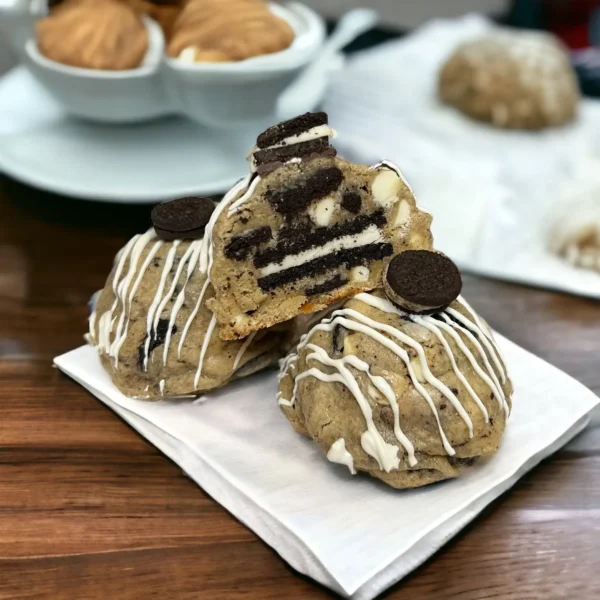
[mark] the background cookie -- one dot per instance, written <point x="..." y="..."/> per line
<point x="512" y="79"/>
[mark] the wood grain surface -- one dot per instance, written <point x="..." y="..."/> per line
<point x="88" y="509"/>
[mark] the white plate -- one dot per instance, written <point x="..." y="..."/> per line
<point x="41" y="146"/>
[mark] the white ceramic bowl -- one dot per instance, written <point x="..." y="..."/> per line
<point x="226" y="94"/>
<point x="214" y="94"/>
<point x="109" y="96"/>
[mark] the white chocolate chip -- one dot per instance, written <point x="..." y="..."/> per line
<point x="360" y="274"/>
<point x="416" y="365"/>
<point x="386" y="187"/>
<point x="188" y="55"/>
<point x="322" y="212"/>
<point x="350" y="347"/>
<point x="403" y="214"/>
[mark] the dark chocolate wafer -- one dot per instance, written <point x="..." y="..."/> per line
<point x="183" y="218"/>
<point x="421" y="281"/>
<point x="278" y="133"/>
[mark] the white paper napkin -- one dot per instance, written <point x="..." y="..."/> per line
<point x="354" y="535"/>
<point x="493" y="193"/>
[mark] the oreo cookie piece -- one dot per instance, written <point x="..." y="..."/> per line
<point x="296" y="199"/>
<point x="271" y="159"/>
<point x="305" y="137"/>
<point x="421" y="281"/>
<point x="278" y="133"/>
<point x="183" y="218"/>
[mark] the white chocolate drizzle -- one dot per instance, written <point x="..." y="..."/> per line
<point x="353" y="320"/>
<point x="243" y="349"/>
<point x="338" y="454"/>
<point x="197" y="257"/>
<point x="372" y="442"/>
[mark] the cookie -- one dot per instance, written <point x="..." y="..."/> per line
<point x="109" y="35"/>
<point x="234" y="30"/>
<point x="154" y="332"/>
<point x="306" y="136"/>
<point x="421" y="281"/>
<point x="409" y="399"/>
<point x="183" y="218"/>
<point x="512" y="79"/>
<point x="314" y="231"/>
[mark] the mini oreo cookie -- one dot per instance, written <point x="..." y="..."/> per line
<point x="183" y="218"/>
<point x="271" y="159"/>
<point x="281" y="131"/>
<point x="421" y="281"/>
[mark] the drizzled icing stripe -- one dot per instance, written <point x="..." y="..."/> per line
<point x="207" y="336"/>
<point x="483" y="337"/>
<point x="244" y="198"/>
<point x="486" y="332"/>
<point x="338" y="454"/>
<point x="384" y="388"/>
<point x="372" y="442"/>
<point x="105" y="323"/>
<point x="497" y="387"/>
<point x="150" y="319"/>
<point x="181" y="298"/>
<point x="123" y="288"/>
<point x="491" y="380"/>
<point x="243" y="349"/>
<point x="167" y="297"/>
<point x="118" y="343"/>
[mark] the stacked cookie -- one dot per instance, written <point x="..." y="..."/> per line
<point x="402" y="381"/>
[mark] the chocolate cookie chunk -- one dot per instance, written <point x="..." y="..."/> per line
<point x="421" y="281"/>
<point x="278" y="133"/>
<point x="184" y="218"/>
<point x="304" y="138"/>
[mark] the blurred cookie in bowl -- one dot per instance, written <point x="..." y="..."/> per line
<point x="107" y="35"/>
<point x="164" y="12"/>
<point x="407" y="386"/>
<point x="511" y="79"/>
<point x="227" y="31"/>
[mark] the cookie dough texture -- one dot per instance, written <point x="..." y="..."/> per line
<point x="307" y="235"/>
<point x="232" y="30"/>
<point x="107" y="35"/>
<point x="321" y="406"/>
<point x="512" y="79"/>
<point x="154" y="333"/>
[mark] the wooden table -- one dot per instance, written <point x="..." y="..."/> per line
<point x="88" y="509"/>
